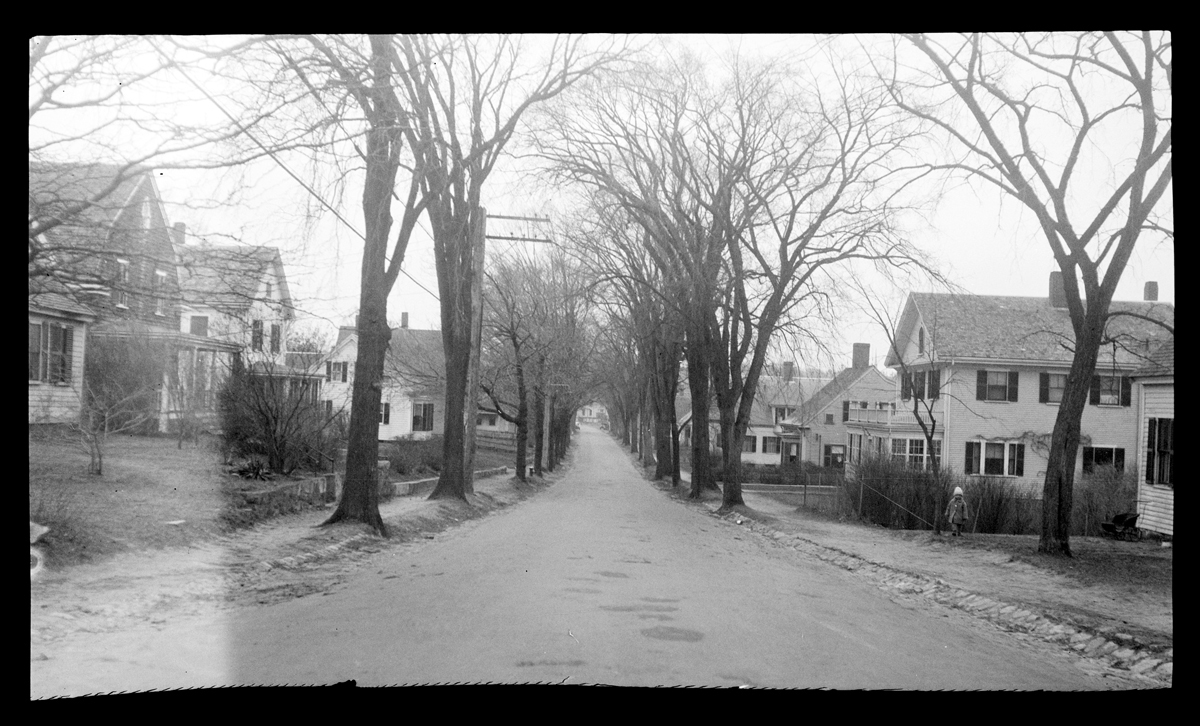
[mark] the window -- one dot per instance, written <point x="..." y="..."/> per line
<point x="770" y="444"/>
<point x="995" y="458"/>
<point x="336" y="371"/>
<point x="854" y="447"/>
<point x="996" y="386"/>
<point x="782" y="412"/>
<point x="422" y="417"/>
<point x="835" y="455"/>
<point x="829" y="419"/>
<point x="122" y="282"/>
<point x="1160" y="449"/>
<point x="750" y="445"/>
<point x="385" y="413"/>
<point x="50" y="352"/>
<point x="913" y="452"/>
<point x="276" y="337"/>
<point x="1111" y="391"/>
<point x="200" y="325"/>
<point x="1094" y="456"/>
<point x="921" y="384"/>
<point x="159" y="291"/>
<point x="1050" y="387"/>
<point x="486" y="419"/>
<point x="256" y="335"/>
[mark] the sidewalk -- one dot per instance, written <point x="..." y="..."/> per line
<point x="1018" y="597"/>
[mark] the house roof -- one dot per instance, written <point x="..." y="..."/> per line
<point x="1161" y="361"/>
<point x="54" y="302"/>
<point x="772" y="391"/>
<point x="415" y="357"/>
<point x="831" y="392"/>
<point x="137" y="329"/>
<point x="54" y="188"/>
<point x="228" y="277"/>
<point x="303" y="360"/>
<point x="1022" y="328"/>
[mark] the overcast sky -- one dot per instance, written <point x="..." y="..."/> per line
<point x="984" y="245"/>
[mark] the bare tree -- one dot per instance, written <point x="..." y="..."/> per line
<point x="746" y="190"/>
<point x="1076" y="127"/>
<point x="464" y="97"/>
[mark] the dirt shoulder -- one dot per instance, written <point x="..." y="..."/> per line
<point x="279" y="559"/>
<point x="1111" y="602"/>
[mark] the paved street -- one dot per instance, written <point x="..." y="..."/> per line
<point x="599" y="579"/>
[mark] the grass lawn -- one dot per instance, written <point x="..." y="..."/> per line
<point x="152" y="494"/>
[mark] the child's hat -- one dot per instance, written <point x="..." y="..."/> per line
<point x="958" y="491"/>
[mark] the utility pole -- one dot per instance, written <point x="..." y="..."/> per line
<point x="478" y="236"/>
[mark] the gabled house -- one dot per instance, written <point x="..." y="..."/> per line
<point x="237" y="295"/>
<point x="778" y="397"/>
<point x="1154" y="384"/>
<point x="818" y="431"/>
<point x="413" y="397"/>
<point x="110" y="248"/>
<point x="990" y="371"/>
<point x="58" y="329"/>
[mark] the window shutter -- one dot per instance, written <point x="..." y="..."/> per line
<point x="56" y="336"/>
<point x="905" y="386"/>
<point x="1126" y="391"/>
<point x="967" y="466"/>
<point x="1094" y="399"/>
<point x="845" y="410"/>
<point x="68" y="347"/>
<point x="1043" y="387"/>
<point x="345" y="368"/>
<point x="387" y="413"/>
<point x="1016" y="464"/>
<point x="328" y="370"/>
<point x="256" y="335"/>
<point x="275" y="342"/>
<point x="981" y="385"/>
<point x="935" y="384"/>
<point x="1151" y="449"/>
<point x="1119" y="459"/>
<point x="1013" y="379"/>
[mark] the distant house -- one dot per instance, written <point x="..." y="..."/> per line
<point x="58" y="329"/>
<point x="1155" y="384"/>
<point x="237" y="295"/>
<point x="818" y="428"/>
<point x="413" y="397"/>
<point x="592" y="414"/>
<point x="993" y="369"/>
<point x="778" y="397"/>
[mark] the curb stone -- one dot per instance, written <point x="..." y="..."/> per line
<point x="1116" y="650"/>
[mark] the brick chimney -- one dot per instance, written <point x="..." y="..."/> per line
<point x="180" y="233"/>
<point x="862" y="355"/>
<point x="1058" y="295"/>
<point x="403" y="320"/>
<point x="1151" y="294"/>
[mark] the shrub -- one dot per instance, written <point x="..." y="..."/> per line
<point x="413" y="457"/>
<point x="1099" y="496"/>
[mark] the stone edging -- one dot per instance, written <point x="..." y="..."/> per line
<point x="1117" y="651"/>
<point x="332" y="549"/>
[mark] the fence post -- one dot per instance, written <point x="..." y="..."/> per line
<point x="806" y="490"/>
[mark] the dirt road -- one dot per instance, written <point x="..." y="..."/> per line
<point x="600" y="579"/>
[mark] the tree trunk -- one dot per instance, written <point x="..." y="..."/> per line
<point x="539" y="424"/>
<point x="522" y="424"/>
<point x="698" y="384"/>
<point x="731" y="491"/>
<point x="454" y="481"/>
<point x="1058" y="488"/>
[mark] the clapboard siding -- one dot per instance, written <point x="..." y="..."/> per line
<point x="1156" y="507"/>
<point x="1156" y="504"/>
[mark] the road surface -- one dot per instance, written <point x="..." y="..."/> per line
<point x="601" y="578"/>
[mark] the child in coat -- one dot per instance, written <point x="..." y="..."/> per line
<point x="957" y="512"/>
